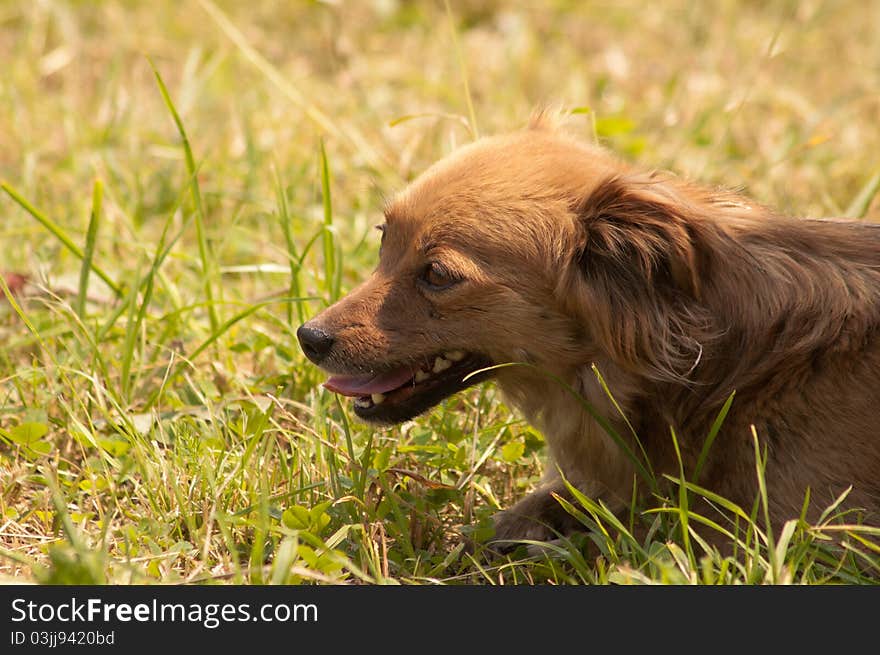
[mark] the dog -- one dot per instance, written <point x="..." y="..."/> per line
<point x="631" y="305"/>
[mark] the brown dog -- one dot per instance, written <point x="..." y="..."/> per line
<point x="534" y="248"/>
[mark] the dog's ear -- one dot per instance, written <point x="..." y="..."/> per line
<point x="639" y="267"/>
<point x="635" y="231"/>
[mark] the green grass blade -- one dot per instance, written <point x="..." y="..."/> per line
<point x="760" y="468"/>
<point x="475" y="132"/>
<point x="860" y="204"/>
<point x="10" y="298"/>
<point x="710" y="438"/>
<point x="332" y="263"/>
<point x="295" y="263"/>
<point x="89" y="252"/>
<point x="721" y="501"/>
<point x="132" y="326"/>
<point x="602" y="514"/>
<point x="683" y="501"/>
<point x="783" y="544"/>
<point x="626" y="420"/>
<point x="695" y="518"/>
<point x="207" y="259"/>
<point x="59" y="234"/>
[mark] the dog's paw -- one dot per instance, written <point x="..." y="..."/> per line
<point x="538" y="517"/>
<point x="512" y="527"/>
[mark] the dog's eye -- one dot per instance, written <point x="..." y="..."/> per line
<point x="436" y="276"/>
<point x="381" y="228"/>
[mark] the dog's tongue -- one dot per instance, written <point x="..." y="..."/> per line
<point x="364" y="385"/>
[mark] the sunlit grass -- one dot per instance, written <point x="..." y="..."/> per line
<point x="185" y="183"/>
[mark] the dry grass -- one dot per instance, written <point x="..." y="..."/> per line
<point x="159" y="436"/>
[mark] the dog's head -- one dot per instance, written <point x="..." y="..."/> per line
<point x="489" y="257"/>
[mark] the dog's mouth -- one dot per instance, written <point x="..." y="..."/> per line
<point x="399" y="393"/>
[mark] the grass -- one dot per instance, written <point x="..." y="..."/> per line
<point x="184" y="183"/>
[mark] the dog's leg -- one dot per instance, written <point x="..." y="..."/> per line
<point x="590" y="460"/>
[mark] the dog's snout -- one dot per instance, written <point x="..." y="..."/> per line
<point x="315" y="342"/>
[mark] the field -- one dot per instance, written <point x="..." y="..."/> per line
<point x="183" y="183"/>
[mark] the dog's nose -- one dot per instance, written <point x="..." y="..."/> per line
<point x="315" y="343"/>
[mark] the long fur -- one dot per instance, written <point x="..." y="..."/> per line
<point x="677" y="294"/>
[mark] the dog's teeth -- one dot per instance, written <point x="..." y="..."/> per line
<point x="441" y="365"/>
<point x="377" y="398"/>
<point x="421" y="376"/>
<point x="454" y="355"/>
<point x="363" y="401"/>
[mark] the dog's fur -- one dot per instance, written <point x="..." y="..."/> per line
<point x="563" y="257"/>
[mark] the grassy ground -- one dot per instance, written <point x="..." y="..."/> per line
<point x="157" y="420"/>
